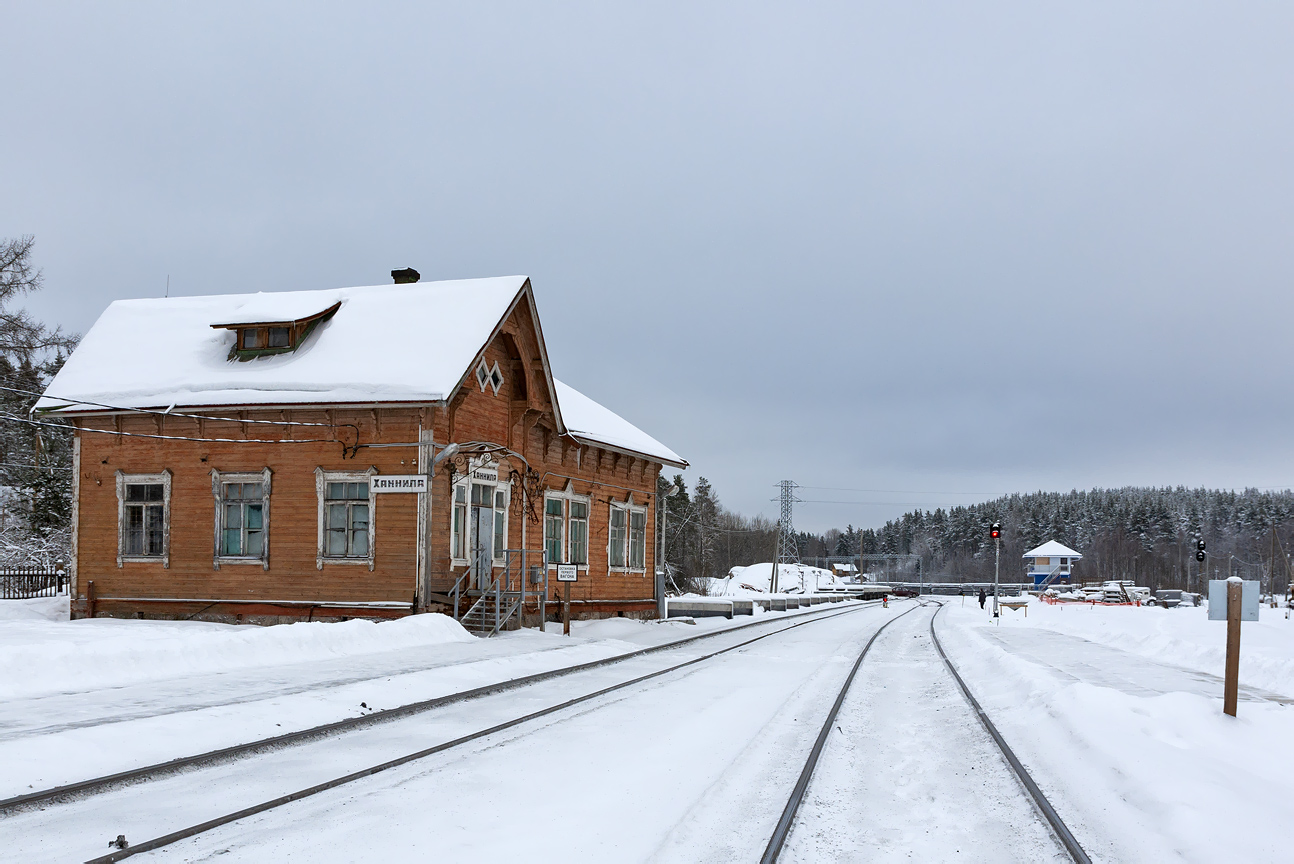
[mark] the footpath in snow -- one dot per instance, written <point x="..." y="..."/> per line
<point x="1117" y="712"/>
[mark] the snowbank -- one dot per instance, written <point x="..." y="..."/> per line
<point x="755" y="580"/>
<point x="39" y="609"/>
<point x="1182" y="636"/>
<point x="39" y="656"/>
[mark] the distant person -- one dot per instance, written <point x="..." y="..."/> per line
<point x="982" y="598"/>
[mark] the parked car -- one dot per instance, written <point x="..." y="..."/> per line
<point x="1166" y="597"/>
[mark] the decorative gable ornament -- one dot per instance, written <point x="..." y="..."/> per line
<point x="487" y="376"/>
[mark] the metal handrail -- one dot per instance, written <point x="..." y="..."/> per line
<point x="507" y="590"/>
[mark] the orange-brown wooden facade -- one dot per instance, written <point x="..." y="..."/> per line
<point x="519" y="417"/>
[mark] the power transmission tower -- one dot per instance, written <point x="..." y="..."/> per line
<point x="787" y="551"/>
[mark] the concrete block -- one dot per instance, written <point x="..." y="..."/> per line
<point x="743" y="607"/>
<point x="698" y="607"/>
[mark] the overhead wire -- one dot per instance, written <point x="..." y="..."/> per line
<point x="184" y="415"/>
<point x="16" y="419"/>
<point x="168" y="413"/>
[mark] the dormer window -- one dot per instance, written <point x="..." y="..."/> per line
<point x="257" y="339"/>
<point x="262" y="338"/>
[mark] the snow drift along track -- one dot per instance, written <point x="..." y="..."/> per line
<point x="271" y="804"/>
<point x="100" y="784"/>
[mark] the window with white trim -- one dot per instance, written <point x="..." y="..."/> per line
<point x="555" y="530"/>
<point x="346" y="511"/>
<point x="479" y="495"/>
<point x="566" y="528"/>
<point x="627" y="537"/>
<point x="460" y="523"/>
<point x="242" y="517"/>
<point x="144" y="517"/>
<point x="346" y="520"/>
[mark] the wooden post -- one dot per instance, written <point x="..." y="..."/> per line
<point x="566" y="609"/>
<point x="89" y="599"/>
<point x="1231" y="684"/>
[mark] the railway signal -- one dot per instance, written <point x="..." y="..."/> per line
<point x="995" y="531"/>
<point x="1199" y="550"/>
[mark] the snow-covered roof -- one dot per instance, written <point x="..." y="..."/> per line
<point x="284" y="306"/>
<point x="1052" y="549"/>
<point x="386" y="343"/>
<point x="586" y="419"/>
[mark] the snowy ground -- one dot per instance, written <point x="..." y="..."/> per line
<point x="627" y="768"/>
<point x="1116" y="711"/>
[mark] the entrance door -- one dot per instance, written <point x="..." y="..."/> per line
<point x="482" y="535"/>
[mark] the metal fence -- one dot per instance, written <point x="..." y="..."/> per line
<point x="24" y="583"/>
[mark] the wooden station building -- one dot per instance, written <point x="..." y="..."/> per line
<point x="354" y="452"/>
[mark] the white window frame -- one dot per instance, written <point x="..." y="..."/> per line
<point x="454" y="505"/>
<point x="489" y="376"/>
<point x="464" y="482"/>
<point x="566" y="496"/>
<point x="218" y="480"/>
<point x="124" y="480"/>
<point x="629" y="507"/>
<point x="322" y="479"/>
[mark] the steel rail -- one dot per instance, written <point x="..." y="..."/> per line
<point x="1044" y="806"/>
<point x="224" y="754"/>
<point x="202" y="827"/>
<point x="783" y="827"/>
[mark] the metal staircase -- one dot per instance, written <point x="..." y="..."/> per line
<point x="498" y="607"/>
<point x="1051" y="577"/>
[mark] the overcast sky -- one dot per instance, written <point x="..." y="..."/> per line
<point x="936" y="251"/>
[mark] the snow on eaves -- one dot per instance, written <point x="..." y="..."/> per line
<point x="387" y="343"/>
<point x="586" y="419"/>
<point x="280" y="306"/>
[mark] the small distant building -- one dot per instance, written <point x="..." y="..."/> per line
<point x="846" y="571"/>
<point x="1050" y="563"/>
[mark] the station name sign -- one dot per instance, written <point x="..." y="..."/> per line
<point x="399" y="482"/>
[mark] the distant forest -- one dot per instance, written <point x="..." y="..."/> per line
<point x="1147" y="535"/>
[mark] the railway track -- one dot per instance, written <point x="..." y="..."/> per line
<point x="103" y="784"/>
<point x="97" y="785"/>
<point x="1043" y="806"/>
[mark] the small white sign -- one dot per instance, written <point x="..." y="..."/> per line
<point x="1218" y="600"/>
<point x="399" y="482"/>
<point x="566" y="572"/>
